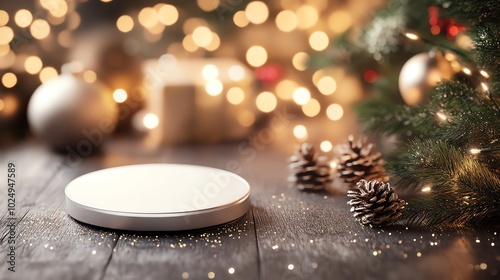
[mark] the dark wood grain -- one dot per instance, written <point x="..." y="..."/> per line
<point x="288" y="234"/>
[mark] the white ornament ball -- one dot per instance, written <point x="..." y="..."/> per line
<point x="420" y="74"/>
<point x="67" y="113"/>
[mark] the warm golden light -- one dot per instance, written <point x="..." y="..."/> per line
<point x="300" y="61"/>
<point x="339" y="21"/>
<point x="120" y="95"/>
<point x="47" y="73"/>
<point x="168" y="14"/>
<point x="266" y="101"/>
<point x="6" y="35"/>
<point x="300" y="132"/>
<point x="9" y="80"/>
<point x="202" y="36"/>
<point x="208" y="5"/>
<point x="23" y="18"/>
<point x="89" y="76"/>
<point x="326" y="146"/>
<point x="74" y="21"/>
<point x="150" y="121"/>
<point x="235" y="95"/>
<point x="40" y="29"/>
<point x="4" y="17"/>
<point x="57" y="9"/>
<point x="125" y="23"/>
<point x="475" y="151"/>
<point x="485" y="87"/>
<point x="214" y="87"/>
<point x="240" y="19"/>
<point x="484" y="74"/>
<point x="64" y="38"/>
<point x="318" y="41"/>
<point x="4" y="49"/>
<point x="426" y="189"/>
<point x="148" y="17"/>
<point x="246" y="118"/>
<point x="256" y="56"/>
<point x="286" y="21"/>
<point x="257" y="12"/>
<point x="33" y="65"/>
<point x="467" y="71"/>
<point x="327" y="85"/>
<point x="311" y="108"/>
<point x="236" y="73"/>
<point x="411" y="36"/>
<point x="334" y="112"/>
<point x="442" y="116"/>
<point x="285" y="88"/>
<point x="2" y="105"/>
<point x="210" y="72"/>
<point x="307" y="16"/>
<point x="301" y="96"/>
<point x="189" y="44"/>
<point x="214" y="44"/>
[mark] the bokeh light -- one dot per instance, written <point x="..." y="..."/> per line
<point x="285" y="89"/>
<point x="208" y="5"/>
<point x="311" y="108"/>
<point x="339" y="21"/>
<point x="236" y="73"/>
<point x="286" y="21"/>
<point x="318" y="40"/>
<point x="307" y="16"/>
<point x="125" y="23"/>
<point x="4" y="17"/>
<point x="202" y="36"/>
<point x="240" y="19"/>
<point x="300" y="132"/>
<point x="214" y="87"/>
<point x="33" y="65"/>
<point x="257" y="12"/>
<point x="23" y="18"/>
<point x="326" y="146"/>
<point x="9" y="80"/>
<point x="120" y="95"/>
<point x="301" y="96"/>
<point x="266" y="101"/>
<point x="150" y="121"/>
<point x="47" y="73"/>
<point x="300" y="61"/>
<point x="334" y="112"/>
<point x="4" y="49"/>
<point x="235" y="95"/>
<point x="6" y="35"/>
<point x="148" y="17"/>
<point x="89" y="76"/>
<point x="168" y="14"/>
<point x="245" y="118"/>
<point x="210" y="72"/>
<point x="214" y="44"/>
<point x="40" y="29"/>
<point x="256" y="56"/>
<point x="327" y="85"/>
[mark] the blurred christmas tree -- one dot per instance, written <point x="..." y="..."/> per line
<point x="445" y="112"/>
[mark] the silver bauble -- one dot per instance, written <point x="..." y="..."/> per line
<point x="421" y="73"/>
<point x="67" y="112"/>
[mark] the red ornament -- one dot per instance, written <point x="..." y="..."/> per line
<point x="271" y="73"/>
<point x="370" y="76"/>
<point x="443" y="25"/>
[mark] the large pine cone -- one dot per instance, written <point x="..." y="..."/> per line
<point x="375" y="203"/>
<point x="307" y="170"/>
<point x="358" y="160"/>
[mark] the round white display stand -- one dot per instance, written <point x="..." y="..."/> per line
<point x="157" y="197"/>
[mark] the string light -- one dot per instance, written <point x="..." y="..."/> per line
<point x="286" y="21"/>
<point x="300" y="60"/>
<point x="334" y="112"/>
<point x="300" y="132"/>
<point x="411" y="36"/>
<point x="426" y="189"/>
<point x="301" y="96"/>
<point x="9" y="80"/>
<point x="318" y="40"/>
<point x="311" y="108"/>
<point x="214" y="87"/>
<point x="236" y="73"/>
<point x="120" y="95"/>
<point x="150" y="121"/>
<point x="210" y="72"/>
<point x="257" y="12"/>
<point x="266" y="102"/>
<point x="467" y="71"/>
<point x="484" y="86"/>
<point x="23" y="18"/>
<point x="168" y="14"/>
<point x="125" y="23"/>
<point x="476" y="151"/>
<point x="484" y="74"/>
<point x="235" y="95"/>
<point x="240" y="19"/>
<point x="326" y="146"/>
<point x="6" y="35"/>
<point x="256" y="56"/>
<point x="442" y="116"/>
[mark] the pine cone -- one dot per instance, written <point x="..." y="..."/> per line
<point x="358" y="161"/>
<point x="307" y="170"/>
<point x="375" y="203"/>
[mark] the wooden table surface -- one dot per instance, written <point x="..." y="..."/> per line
<point x="287" y="234"/>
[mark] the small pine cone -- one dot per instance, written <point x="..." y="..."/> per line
<point x="307" y="170"/>
<point x="358" y="161"/>
<point x="375" y="203"/>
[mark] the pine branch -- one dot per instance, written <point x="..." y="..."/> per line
<point x="464" y="192"/>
